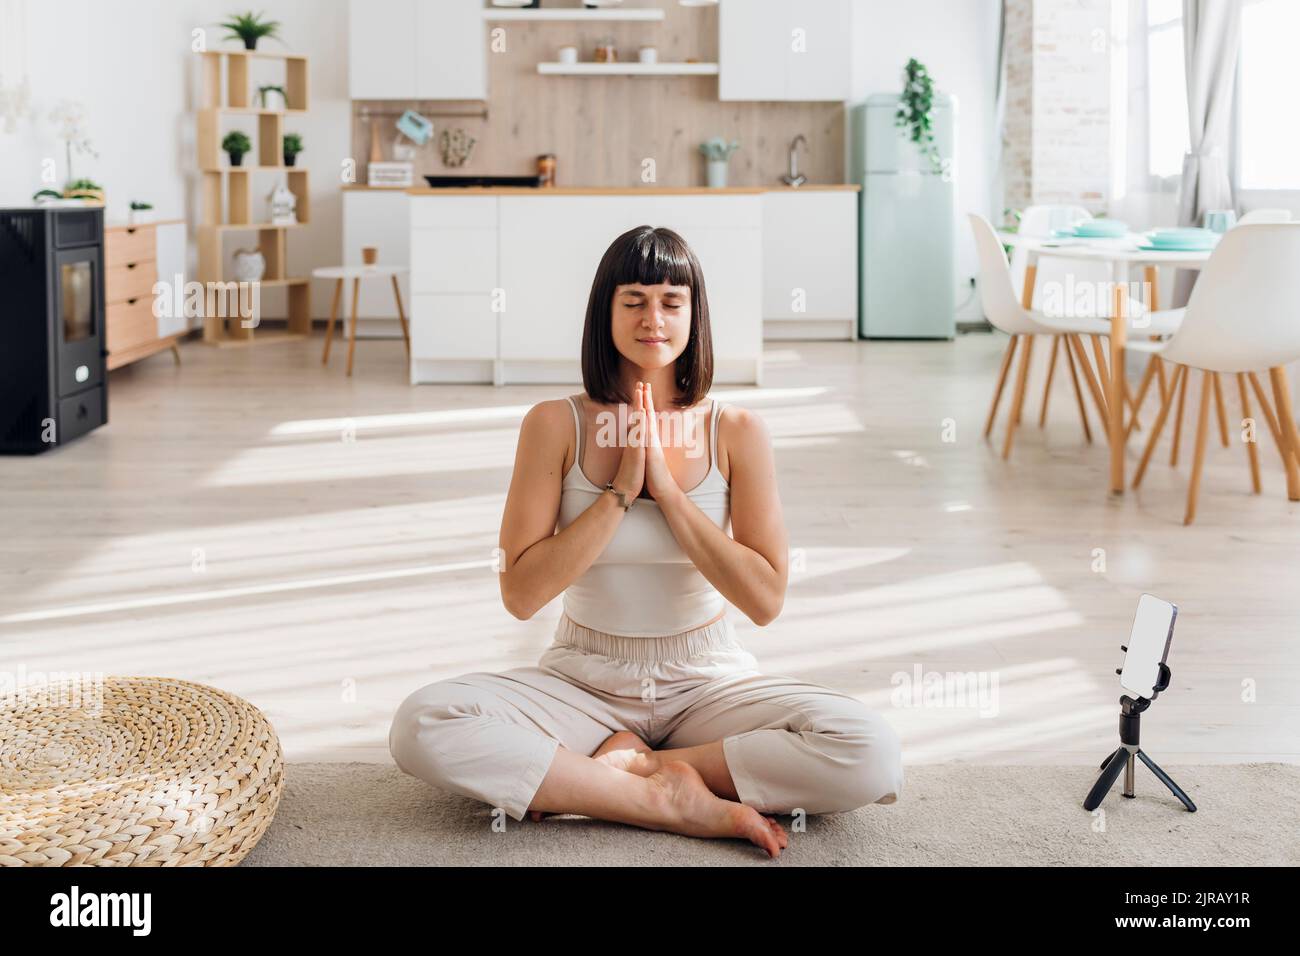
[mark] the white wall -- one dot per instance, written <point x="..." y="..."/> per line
<point x="957" y="40"/>
<point x="130" y="63"/>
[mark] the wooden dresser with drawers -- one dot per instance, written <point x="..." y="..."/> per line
<point x="135" y="259"/>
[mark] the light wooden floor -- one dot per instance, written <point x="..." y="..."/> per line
<point x="321" y="546"/>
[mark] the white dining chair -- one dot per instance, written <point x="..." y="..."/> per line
<point x="1040" y="222"/>
<point x="1154" y="364"/>
<point x="1240" y="320"/>
<point x="1257" y="216"/>
<point x="1007" y="313"/>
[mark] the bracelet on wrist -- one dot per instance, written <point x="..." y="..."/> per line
<point x="624" y="501"/>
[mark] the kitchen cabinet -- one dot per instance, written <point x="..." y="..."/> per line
<point x="381" y="49"/>
<point x="378" y="218"/>
<point x="455" y="289"/>
<point x="411" y="50"/>
<point x="502" y="281"/>
<point x="810" y="264"/>
<point x="757" y="58"/>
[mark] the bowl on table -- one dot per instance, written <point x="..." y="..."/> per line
<point x="1093" y="229"/>
<point x="1179" y="240"/>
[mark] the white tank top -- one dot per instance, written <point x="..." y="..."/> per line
<point x="643" y="584"/>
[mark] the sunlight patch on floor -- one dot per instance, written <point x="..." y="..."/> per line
<point x="225" y="594"/>
<point x="808" y="564"/>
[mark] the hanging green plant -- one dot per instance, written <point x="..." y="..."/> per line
<point x="914" y="107"/>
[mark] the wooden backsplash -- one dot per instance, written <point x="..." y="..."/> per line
<point x="602" y="128"/>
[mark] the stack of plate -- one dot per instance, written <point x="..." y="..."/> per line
<point x="1094" y="229"/>
<point x="1179" y="240"/>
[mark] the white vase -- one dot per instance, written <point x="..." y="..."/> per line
<point x="716" y="172"/>
<point x="250" y="265"/>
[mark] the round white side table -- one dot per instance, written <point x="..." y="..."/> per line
<point x="356" y="273"/>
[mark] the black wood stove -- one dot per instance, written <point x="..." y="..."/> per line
<point x="53" y="383"/>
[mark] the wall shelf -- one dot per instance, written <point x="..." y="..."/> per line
<point x="254" y="111"/>
<point x="628" y="69"/>
<point x="572" y="13"/>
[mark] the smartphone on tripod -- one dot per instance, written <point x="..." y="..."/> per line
<point x="1144" y="675"/>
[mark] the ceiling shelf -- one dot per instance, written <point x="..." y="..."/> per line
<point x="572" y="13"/>
<point x="628" y="69"/>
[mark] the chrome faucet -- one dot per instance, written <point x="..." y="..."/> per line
<point x="794" y="177"/>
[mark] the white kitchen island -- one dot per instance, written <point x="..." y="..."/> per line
<point x="500" y="277"/>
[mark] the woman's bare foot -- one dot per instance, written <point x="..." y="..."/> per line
<point x="694" y="810"/>
<point x="623" y="750"/>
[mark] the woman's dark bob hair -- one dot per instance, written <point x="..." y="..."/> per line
<point x="647" y="256"/>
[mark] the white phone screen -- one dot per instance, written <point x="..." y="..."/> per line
<point x="1153" y="629"/>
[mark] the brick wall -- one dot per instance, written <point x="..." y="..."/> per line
<point x="1057" y="135"/>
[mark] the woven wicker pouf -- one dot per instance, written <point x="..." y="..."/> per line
<point x="150" y="772"/>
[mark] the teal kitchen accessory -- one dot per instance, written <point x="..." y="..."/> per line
<point x="415" y="127"/>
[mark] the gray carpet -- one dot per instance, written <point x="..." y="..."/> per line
<point x="371" y="814"/>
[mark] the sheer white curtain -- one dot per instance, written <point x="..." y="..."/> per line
<point x="1211" y="43"/>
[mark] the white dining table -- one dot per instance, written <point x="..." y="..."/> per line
<point x="1123" y="254"/>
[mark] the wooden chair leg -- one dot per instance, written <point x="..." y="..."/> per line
<point x="329" y="327"/>
<point x="1078" y="392"/>
<point x="1220" y="410"/>
<point x="176" y="353"/>
<point x="1252" y="445"/>
<point x="1047" y="388"/>
<point x="1147" y="378"/>
<point x="1286" y="428"/>
<point x="1086" y="367"/>
<point x="1018" y="399"/>
<point x="1179" y="371"/>
<point x="352" y="334"/>
<point x="1267" y="409"/>
<point x="1178" y="421"/>
<point x="1002" y="381"/>
<point x="401" y="315"/>
<point x="1103" y="375"/>
<point x="1198" y="458"/>
<point x="1161" y="377"/>
<point x="1131" y="402"/>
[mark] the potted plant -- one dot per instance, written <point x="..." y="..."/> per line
<point x="138" y="212"/>
<point x="86" y="189"/>
<point x="273" y="97"/>
<point x="70" y="117"/>
<point x="292" y="147"/>
<point x="236" y="144"/>
<point x="913" y="115"/>
<point x="716" y="153"/>
<point x="250" y="27"/>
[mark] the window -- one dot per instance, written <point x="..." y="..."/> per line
<point x="1167" y="140"/>
<point x="1268" y="125"/>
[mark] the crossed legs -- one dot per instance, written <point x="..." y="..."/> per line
<point x="732" y="750"/>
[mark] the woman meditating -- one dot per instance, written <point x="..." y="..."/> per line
<point x="646" y="709"/>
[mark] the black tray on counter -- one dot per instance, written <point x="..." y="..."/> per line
<point x="454" y="182"/>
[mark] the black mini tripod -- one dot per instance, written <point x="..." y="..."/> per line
<point x="1125" y="758"/>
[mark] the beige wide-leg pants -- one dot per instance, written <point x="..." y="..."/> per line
<point x="789" y="745"/>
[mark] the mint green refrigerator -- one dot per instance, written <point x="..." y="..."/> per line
<point x="907" y="273"/>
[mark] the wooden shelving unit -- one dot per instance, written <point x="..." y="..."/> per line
<point x="228" y="191"/>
